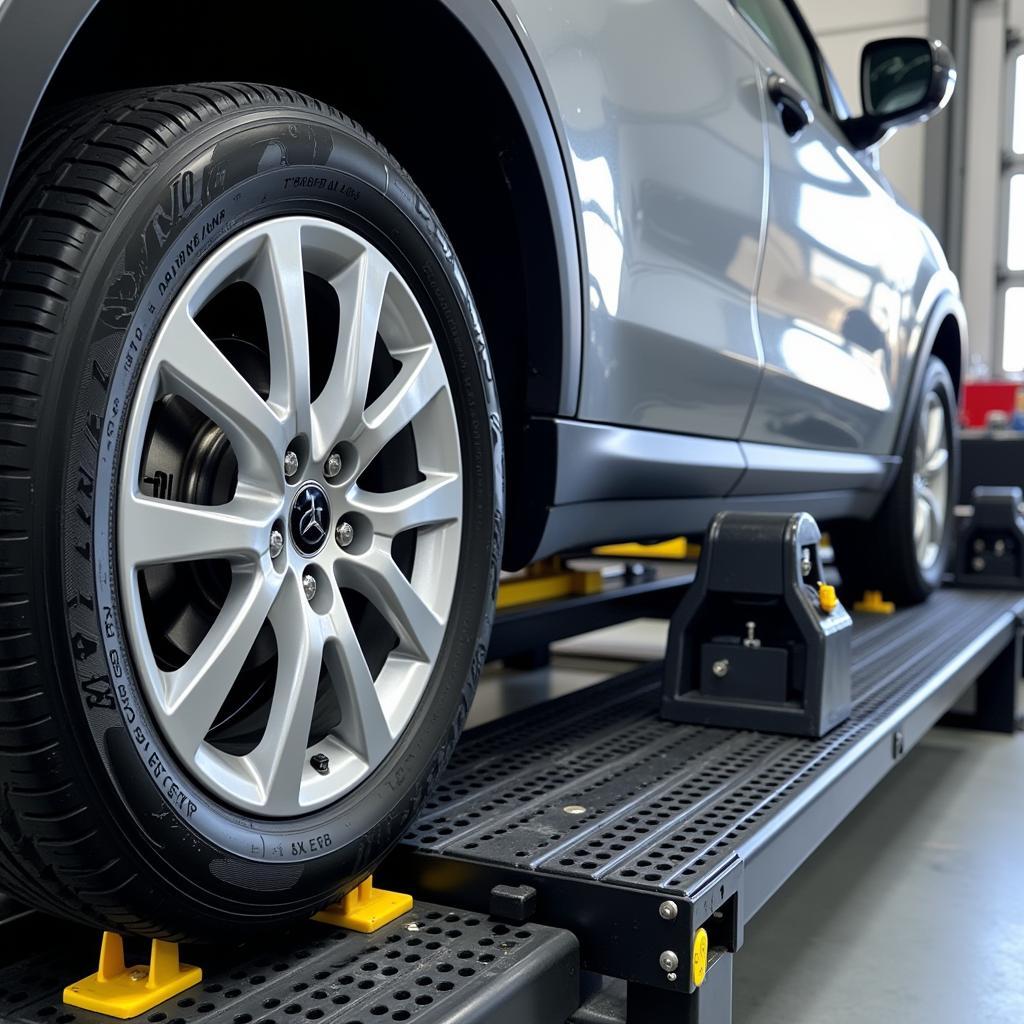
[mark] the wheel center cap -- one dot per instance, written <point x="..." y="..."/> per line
<point x="310" y="518"/>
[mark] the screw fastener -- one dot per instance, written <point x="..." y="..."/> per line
<point x="276" y="543"/>
<point x="720" y="668"/>
<point x="668" y="961"/>
<point x="668" y="911"/>
<point x="309" y="586"/>
<point x="332" y="466"/>
<point x="344" y="534"/>
<point x="805" y="562"/>
<point x="291" y="463"/>
<point x="574" y="809"/>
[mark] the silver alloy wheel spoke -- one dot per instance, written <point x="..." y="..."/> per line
<point x="157" y="531"/>
<point x="195" y="693"/>
<point x="376" y="575"/>
<point x="193" y="367"/>
<point x="364" y="727"/>
<point x="421" y="378"/>
<point x="315" y="637"/>
<point x="338" y="412"/>
<point x="433" y="501"/>
<point x="280" y="757"/>
<point x="279" y="280"/>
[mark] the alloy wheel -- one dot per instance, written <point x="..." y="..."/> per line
<point x="931" y="480"/>
<point x="289" y="515"/>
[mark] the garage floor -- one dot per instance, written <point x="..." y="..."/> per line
<point x="912" y="911"/>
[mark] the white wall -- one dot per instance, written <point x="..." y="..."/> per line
<point x="982" y="206"/>
<point x="842" y="29"/>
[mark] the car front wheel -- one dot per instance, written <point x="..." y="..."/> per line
<point x="252" y="495"/>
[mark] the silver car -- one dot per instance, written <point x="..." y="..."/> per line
<point x="276" y="405"/>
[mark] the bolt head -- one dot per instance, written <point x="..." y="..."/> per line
<point x="309" y="586"/>
<point x="668" y="960"/>
<point x="333" y="466"/>
<point x="291" y="463"/>
<point x="668" y="911"/>
<point x="344" y="534"/>
<point x="978" y="564"/>
<point x="276" y="543"/>
<point x="720" y="668"/>
<point x="574" y="809"/>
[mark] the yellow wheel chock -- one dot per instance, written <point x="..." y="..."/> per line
<point x="873" y="602"/>
<point x="122" y="992"/>
<point x="365" y="908"/>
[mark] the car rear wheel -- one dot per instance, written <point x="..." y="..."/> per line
<point x="254" y="510"/>
<point x="905" y="549"/>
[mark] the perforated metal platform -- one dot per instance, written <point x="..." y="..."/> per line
<point x="433" y="964"/>
<point x="608" y="811"/>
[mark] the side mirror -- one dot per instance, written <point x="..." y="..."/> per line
<point x="903" y="81"/>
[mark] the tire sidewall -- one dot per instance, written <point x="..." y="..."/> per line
<point x="212" y="184"/>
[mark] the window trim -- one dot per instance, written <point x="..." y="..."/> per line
<point x="821" y="67"/>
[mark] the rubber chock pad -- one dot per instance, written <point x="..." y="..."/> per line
<point x="122" y="992"/>
<point x="365" y="908"/>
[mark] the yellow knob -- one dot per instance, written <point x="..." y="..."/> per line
<point x="827" y="599"/>
<point x="700" y="957"/>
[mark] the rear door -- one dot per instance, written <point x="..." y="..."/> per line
<point x="841" y="255"/>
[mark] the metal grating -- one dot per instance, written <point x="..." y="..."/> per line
<point x="425" y="968"/>
<point x="655" y="805"/>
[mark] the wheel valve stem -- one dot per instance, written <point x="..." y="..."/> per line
<point x="309" y="586"/>
<point x="333" y="466"/>
<point x="344" y="534"/>
<point x="291" y="463"/>
<point x="320" y="764"/>
<point x="276" y="543"/>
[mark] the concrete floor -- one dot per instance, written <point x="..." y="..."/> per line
<point x="912" y="911"/>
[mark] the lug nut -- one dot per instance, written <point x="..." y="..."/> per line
<point x="291" y="463"/>
<point x="344" y="534"/>
<point x="309" y="586"/>
<point x="276" y="543"/>
<point x="332" y="466"/>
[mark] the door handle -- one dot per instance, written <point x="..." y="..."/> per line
<point x="793" y="109"/>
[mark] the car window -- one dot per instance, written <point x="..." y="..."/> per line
<point x="774" y="21"/>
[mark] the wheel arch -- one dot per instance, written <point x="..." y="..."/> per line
<point x="944" y="335"/>
<point x="444" y="84"/>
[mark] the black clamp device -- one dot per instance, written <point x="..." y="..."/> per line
<point x="990" y="545"/>
<point x="759" y="641"/>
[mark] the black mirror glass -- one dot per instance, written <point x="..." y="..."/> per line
<point x="897" y="76"/>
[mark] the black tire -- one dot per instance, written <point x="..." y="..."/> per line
<point x="880" y="554"/>
<point x="96" y="821"/>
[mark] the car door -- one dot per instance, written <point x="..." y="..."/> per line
<point x="841" y="254"/>
<point x="662" y="119"/>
